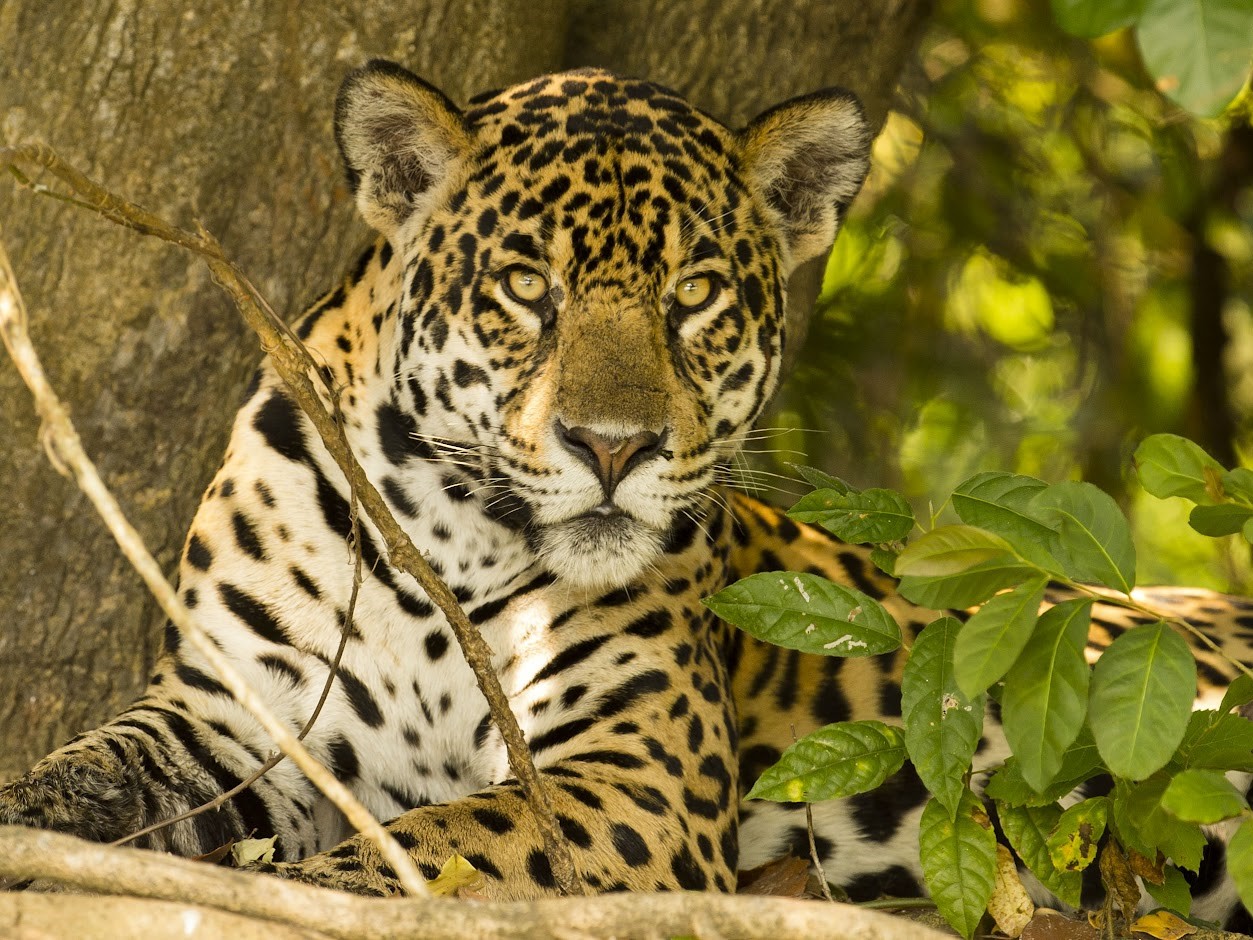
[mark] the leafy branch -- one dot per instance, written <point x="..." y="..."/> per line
<point x="1032" y="560"/>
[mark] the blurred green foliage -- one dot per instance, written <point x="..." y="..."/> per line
<point x="1050" y="261"/>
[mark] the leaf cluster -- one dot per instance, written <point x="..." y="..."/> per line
<point x="1169" y="465"/>
<point x="1019" y="542"/>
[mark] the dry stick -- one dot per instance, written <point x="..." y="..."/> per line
<point x="66" y="452"/>
<point x="354" y="541"/>
<point x="294" y="364"/>
<point x="813" y="852"/>
<point x="91" y="867"/>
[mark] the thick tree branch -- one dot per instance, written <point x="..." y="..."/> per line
<point x="294" y="364"/>
<point x="142" y="874"/>
<point x="33" y="916"/>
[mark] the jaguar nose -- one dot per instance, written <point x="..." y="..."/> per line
<point x="610" y="458"/>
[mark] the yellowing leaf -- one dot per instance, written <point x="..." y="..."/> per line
<point x="1010" y="905"/>
<point x="837" y="760"/>
<point x="1163" y="925"/>
<point x="1119" y="880"/>
<point x="247" y="851"/>
<point x="456" y="874"/>
<point x="1073" y="844"/>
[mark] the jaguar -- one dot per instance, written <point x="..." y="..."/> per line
<point x="572" y="314"/>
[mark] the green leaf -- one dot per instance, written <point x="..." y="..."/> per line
<point x="1093" y="539"/>
<point x="1027" y="828"/>
<point x="950" y="549"/>
<point x="836" y="761"/>
<point x="966" y="589"/>
<point x="1247" y="531"/>
<point x="1169" y="465"/>
<point x="1240" y="862"/>
<point x="1198" y="50"/>
<point x="957" y="566"/>
<point x="958" y="860"/>
<point x="994" y="637"/>
<point x="873" y="515"/>
<point x="1238" y="484"/>
<point x="1089" y="19"/>
<point x="1239" y="693"/>
<point x="1073" y="843"/>
<point x="821" y="480"/>
<point x="1217" y="741"/>
<point x="1046" y="692"/>
<point x="942" y="725"/>
<point x="807" y="612"/>
<point x="1202" y="796"/>
<point x="1080" y="762"/>
<point x="1145" y="826"/>
<point x="1173" y="892"/>
<point x="1142" y="687"/>
<point x="885" y="561"/>
<point x="1220" y="520"/>
<point x="1000" y="502"/>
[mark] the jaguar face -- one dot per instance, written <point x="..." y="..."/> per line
<point x="593" y="310"/>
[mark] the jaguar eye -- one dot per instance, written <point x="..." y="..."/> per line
<point x="525" y="285"/>
<point x="693" y="293"/>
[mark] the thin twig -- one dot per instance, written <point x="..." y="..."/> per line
<point x="1128" y="602"/>
<point x="813" y="843"/>
<point x="813" y="853"/>
<point x="51" y="856"/>
<point x="66" y="450"/>
<point x="294" y="364"/>
<point x="897" y="904"/>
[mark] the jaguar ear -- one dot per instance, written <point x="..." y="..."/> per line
<point x="808" y="157"/>
<point x="400" y="138"/>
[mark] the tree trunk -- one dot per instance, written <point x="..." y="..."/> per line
<point x="221" y="112"/>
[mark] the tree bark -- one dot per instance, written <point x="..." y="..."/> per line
<point x="221" y="112"/>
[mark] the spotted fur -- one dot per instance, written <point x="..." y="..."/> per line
<point x="557" y="455"/>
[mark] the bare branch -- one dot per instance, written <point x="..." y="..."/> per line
<point x="293" y="363"/>
<point x="51" y="856"/>
<point x="66" y="451"/>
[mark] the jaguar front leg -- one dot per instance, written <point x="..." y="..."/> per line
<point x="646" y="798"/>
<point x="156" y="761"/>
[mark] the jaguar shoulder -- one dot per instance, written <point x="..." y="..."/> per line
<point x="573" y="315"/>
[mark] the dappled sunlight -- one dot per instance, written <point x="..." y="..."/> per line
<point x="1017" y="286"/>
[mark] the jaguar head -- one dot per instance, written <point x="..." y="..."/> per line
<point x="593" y="303"/>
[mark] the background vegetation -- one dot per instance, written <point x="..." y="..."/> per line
<point x="1051" y="260"/>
